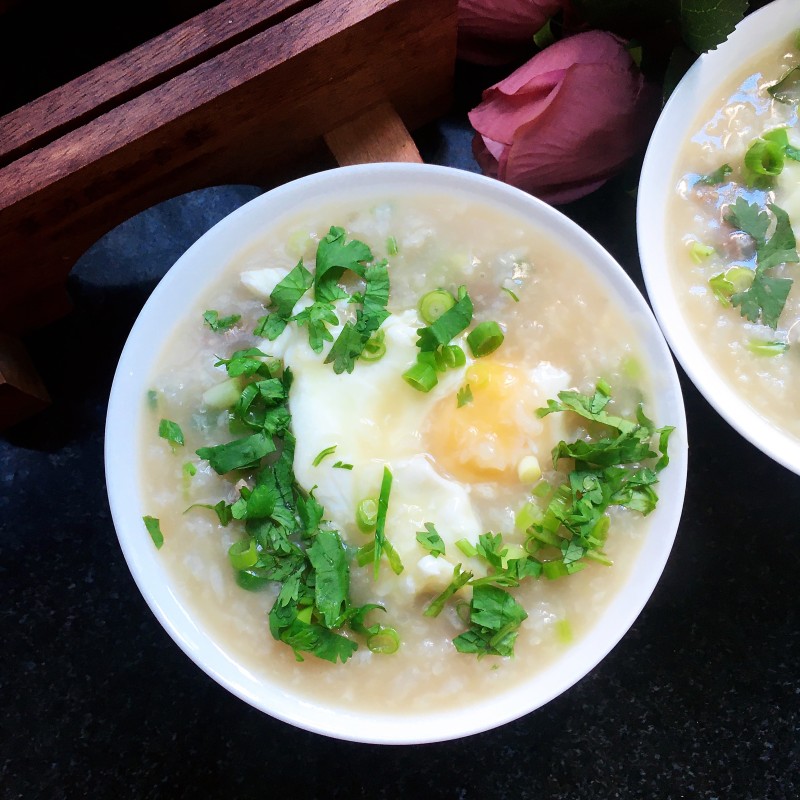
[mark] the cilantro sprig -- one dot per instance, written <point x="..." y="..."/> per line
<point x="766" y="297"/>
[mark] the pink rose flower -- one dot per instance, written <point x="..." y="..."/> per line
<point x="490" y="30"/>
<point x="561" y="125"/>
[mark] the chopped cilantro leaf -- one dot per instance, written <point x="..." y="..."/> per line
<point x="431" y="540"/>
<point x="317" y="317"/>
<point x="464" y="396"/>
<point x="154" y="529"/>
<point x="238" y="454"/>
<point x="258" y="503"/>
<point x="171" y="431"/>
<point x="219" y="324"/>
<point x="495" y="617"/>
<point x="270" y="327"/>
<point x="765" y="298"/>
<point x="787" y="89"/>
<point x="221" y="509"/>
<point x="335" y="255"/>
<point x="717" y="176"/>
<point x="332" y="582"/>
<point x="437" y="604"/>
<point x="244" y="362"/>
<point x="290" y="289"/>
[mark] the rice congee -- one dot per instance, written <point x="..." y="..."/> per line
<point x="400" y="455"/>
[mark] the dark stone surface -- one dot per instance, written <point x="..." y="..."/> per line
<point x="700" y="699"/>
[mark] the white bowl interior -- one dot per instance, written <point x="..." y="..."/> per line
<point x="182" y="286"/>
<point x="677" y="123"/>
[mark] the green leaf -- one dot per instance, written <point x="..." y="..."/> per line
<point x="717" y="176"/>
<point x="222" y="510"/>
<point x="495" y="617"/>
<point x="335" y="255"/>
<point x="256" y="504"/>
<point x="270" y="327"/>
<point x="317" y="317"/>
<point x="346" y="349"/>
<point x="590" y="407"/>
<point x="707" y="23"/>
<point x="787" y="89"/>
<point x="154" y="529"/>
<point x="764" y="300"/>
<point x="244" y="362"/>
<point x="431" y="540"/>
<point x="464" y="396"/>
<point x="781" y="248"/>
<point x="290" y="289"/>
<point x="332" y="582"/>
<point x="219" y="324"/>
<point x="238" y="454"/>
<point x="171" y="431"/>
<point x="437" y="604"/>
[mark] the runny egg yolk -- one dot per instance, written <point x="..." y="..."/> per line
<point x="485" y="439"/>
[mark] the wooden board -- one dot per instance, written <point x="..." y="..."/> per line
<point x="247" y="92"/>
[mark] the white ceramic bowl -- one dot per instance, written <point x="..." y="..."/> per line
<point x="678" y="121"/>
<point x="182" y="286"/>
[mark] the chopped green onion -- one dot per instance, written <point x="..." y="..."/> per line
<point x="386" y="641"/>
<point x="323" y="454"/>
<point x="342" y="465"/>
<point x="393" y="557"/>
<point x="511" y="294"/>
<point x="453" y="356"/>
<point x="485" y="338"/>
<point x="391" y="246"/>
<point x="529" y="470"/>
<point x="152" y="399"/>
<point x="188" y="471"/>
<point x="541" y="490"/>
<point x="154" y="529"/>
<point x="380" y="522"/>
<point x="764" y="157"/>
<point x="251" y="580"/>
<point x="700" y="252"/>
<point x="529" y="514"/>
<point x="367" y="514"/>
<point x="243" y="554"/>
<point x="434" y="304"/>
<point x="564" y="631"/>
<point x="223" y="395"/>
<point x="375" y="348"/>
<point x="760" y="347"/>
<point x="725" y="284"/>
<point x="467" y="548"/>
<point x="421" y="377"/>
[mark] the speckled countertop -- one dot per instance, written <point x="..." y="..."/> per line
<point x="701" y="699"/>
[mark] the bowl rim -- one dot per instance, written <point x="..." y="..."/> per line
<point x="190" y="275"/>
<point x="679" y="119"/>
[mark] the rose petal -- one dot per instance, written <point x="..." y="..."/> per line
<point x="512" y="20"/>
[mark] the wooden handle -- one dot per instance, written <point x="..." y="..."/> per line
<point x="22" y="392"/>
<point x="376" y="135"/>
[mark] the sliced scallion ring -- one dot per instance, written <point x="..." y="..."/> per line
<point x="421" y="377"/>
<point x="485" y="338"/>
<point x="434" y="304"/>
<point x="386" y="641"/>
<point x="243" y="554"/>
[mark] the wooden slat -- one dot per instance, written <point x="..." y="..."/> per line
<point x="132" y="74"/>
<point x="376" y="135"/>
<point x="237" y="118"/>
<point x="22" y="392"/>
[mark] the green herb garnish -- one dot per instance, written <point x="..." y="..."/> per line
<point x="765" y="298"/>
<point x="717" y="176"/>
<point x="154" y="529"/>
<point x="431" y="540"/>
<point x="323" y="454"/>
<point x="219" y="324"/>
<point x="464" y="396"/>
<point x="171" y="431"/>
